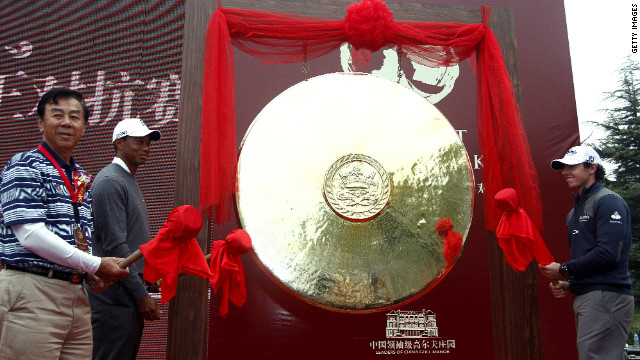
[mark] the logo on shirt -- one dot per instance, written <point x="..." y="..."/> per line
<point x="615" y="218"/>
<point x="583" y="218"/>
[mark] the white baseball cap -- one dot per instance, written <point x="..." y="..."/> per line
<point x="133" y="127"/>
<point x="577" y="155"/>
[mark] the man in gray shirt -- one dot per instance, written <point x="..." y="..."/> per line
<point x="121" y="226"/>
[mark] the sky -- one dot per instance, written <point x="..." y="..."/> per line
<point x="600" y="38"/>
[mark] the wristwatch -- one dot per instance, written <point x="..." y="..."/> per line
<point x="564" y="270"/>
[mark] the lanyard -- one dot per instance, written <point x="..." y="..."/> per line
<point x="67" y="183"/>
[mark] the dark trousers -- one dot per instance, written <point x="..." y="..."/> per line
<point x="117" y="325"/>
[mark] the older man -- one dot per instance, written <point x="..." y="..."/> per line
<point x="45" y="241"/>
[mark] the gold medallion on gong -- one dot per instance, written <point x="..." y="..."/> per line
<point x="356" y="187"/>
<point x="341" y="182"/>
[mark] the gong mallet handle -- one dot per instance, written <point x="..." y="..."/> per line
<point x="135" y="256"/>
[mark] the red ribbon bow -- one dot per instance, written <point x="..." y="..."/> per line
<point x="517" y="236"/>
<point x="227" y="269"/>
<point x="175" y="250"/>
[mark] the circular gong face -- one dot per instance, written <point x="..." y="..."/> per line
<point x="341" y="182"/>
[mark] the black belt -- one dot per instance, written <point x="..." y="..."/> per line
<point x="73" y="278"/>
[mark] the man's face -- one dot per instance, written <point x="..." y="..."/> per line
<point x="134" y="150"/>
<point x="63" y="125"/>
<point x="578" y="176"/>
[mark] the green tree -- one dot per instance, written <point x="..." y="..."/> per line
<point x="621" y="147"/>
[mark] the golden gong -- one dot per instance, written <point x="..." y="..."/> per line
<point x="341" y="182"/>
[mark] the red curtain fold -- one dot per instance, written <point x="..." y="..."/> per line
<point x="277" y="38"/>
<point x="516" y="234"/>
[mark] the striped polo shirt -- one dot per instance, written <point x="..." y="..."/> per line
<point x="32" y="191"/>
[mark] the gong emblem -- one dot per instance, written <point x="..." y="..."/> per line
<point x="357" y="187"/>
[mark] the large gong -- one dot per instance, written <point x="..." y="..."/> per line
<point x="341" y="182"/>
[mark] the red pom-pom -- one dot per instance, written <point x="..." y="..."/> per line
<point x="369" y="25"/>
<point x="444" y="226"/>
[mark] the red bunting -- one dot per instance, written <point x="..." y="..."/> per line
<point x="175" y="250"/>
<point x="517" y="236"/>
<point x="277" y="38"/>
<point x="226" y="266"/>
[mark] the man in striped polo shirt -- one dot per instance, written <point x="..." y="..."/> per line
<point x="45" y="238"/>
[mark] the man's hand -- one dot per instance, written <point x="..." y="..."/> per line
<point x="153" y="287"/>
<point x="550" y="271"/>
<point x="109" y="271"/>
<point x="148" y="308"/>
<point x="96" y="284"/>
<point x="560" y="289"/>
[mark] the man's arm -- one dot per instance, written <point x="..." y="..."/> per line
<point x="38" y="239"/>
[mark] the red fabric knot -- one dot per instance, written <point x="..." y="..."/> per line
<point x="238" y="241"/>
<point x="227" y="270"/>
<point x="184" y="223"/>
<point x="451" y="239"/>
<point x="369" y="25"/>
<point x="507" y="200"/>
<point x="516" y="233"/>
<point x="175" y="250"/>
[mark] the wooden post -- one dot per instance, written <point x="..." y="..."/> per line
<point x="188" y="310"/>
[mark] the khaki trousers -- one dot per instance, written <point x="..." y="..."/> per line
<point x="43" y="318"/>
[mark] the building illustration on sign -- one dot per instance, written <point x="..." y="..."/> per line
<point x="411" y="324"/>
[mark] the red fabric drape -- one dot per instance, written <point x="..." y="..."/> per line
<point x="227" y="270"/>
<point x="175" y="250"/>
<point x="277" y="38"/>
<point x="516" y="234"/>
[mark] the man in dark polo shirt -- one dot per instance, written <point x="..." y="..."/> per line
<point x="599" y="231"/>
<point x="45" y="241"/>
